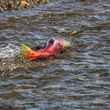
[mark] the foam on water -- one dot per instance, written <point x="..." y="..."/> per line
<point x="9" y="51"/>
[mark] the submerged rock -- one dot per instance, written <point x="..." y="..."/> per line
<point x="15" y="4"/>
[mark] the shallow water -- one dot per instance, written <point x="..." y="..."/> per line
<point x="75" y="80"/>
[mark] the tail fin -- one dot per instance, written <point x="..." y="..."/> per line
<point x="24" y="49"/>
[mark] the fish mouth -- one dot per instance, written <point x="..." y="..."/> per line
<point x="67" y="44"/>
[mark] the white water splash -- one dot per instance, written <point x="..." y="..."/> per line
<point x="10" y="51"/>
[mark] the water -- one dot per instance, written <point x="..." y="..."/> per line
<point x="75" y="80"/>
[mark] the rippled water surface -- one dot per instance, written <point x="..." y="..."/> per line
<point x="78" y="79"/>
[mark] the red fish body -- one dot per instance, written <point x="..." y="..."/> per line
<point x="53" y="48"/>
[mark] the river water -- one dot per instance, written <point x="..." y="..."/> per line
<point x="78" y="79"/>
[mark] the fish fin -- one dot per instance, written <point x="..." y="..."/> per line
<point x="24" y="49"/>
